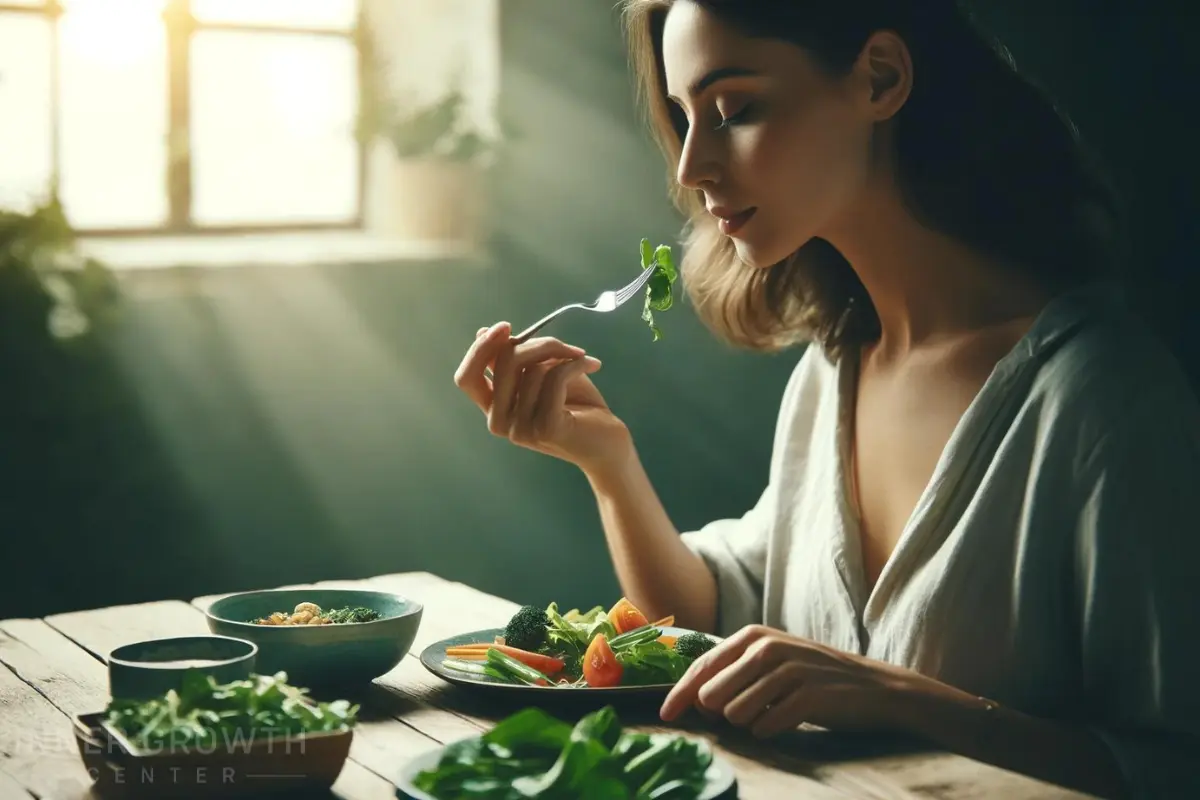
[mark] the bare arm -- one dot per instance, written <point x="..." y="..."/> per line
<point x="658" y="573"/>
<point x="1051" y="751"/>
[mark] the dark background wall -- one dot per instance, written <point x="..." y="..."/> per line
<point x="295" y="424"/>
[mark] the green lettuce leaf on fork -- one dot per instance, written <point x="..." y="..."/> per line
<point x="658" y="289"/>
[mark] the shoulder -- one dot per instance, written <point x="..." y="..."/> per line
<point x="1106" y="376"/>
<point x="1110" y="360"/>
<point x="815" y="373"/>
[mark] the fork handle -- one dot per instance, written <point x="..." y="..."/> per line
<point x="537" y="326"/>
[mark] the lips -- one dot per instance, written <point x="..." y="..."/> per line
<point x="730" y="220"/>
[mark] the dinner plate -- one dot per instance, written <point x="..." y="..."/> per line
<point x="433" y="656"/>
<point x="721" y="782"/>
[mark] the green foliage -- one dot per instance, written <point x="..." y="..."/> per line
<point x="440" y="129"/>
<point x="46" y="286"/>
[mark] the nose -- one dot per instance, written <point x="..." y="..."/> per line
<point x="699" y="163"/>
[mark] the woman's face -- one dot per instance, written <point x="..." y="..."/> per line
<point x="778" y="148"/>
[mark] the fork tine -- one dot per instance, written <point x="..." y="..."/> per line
<point x="638" y="282"/>
<point x="622" y="295"/>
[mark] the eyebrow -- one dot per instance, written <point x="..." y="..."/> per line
<point x="715" y="76"/>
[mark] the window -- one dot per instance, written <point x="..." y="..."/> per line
<point x="182" y="116"/>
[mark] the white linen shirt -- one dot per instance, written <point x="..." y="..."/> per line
<point x="1052" y="562"/>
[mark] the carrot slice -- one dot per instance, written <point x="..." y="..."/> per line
<point x="542" y="663"/>
<point x="665" y="622"/>
<point x="600" y="666"/>
<point x="669" y="641"/>
<point x="625" y="616"/>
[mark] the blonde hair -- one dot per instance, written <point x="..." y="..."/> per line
<point x="981" y="155"/>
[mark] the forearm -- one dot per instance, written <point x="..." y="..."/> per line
<point x="658" y="573"/>
<point x="1051" y="751"/>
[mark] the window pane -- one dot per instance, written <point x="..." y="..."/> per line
<point x="116" y="8"/>
<point x="273" y="128"/>
<point x="113" y="107"/>
<point x="26" y="127"/>
<point x="327" y="14"/>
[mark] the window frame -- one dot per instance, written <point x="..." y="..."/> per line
<point x="181" y="25"/>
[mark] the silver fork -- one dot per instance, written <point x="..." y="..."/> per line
<point x="607" y="301"/>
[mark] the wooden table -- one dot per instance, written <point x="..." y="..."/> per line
<point x="54" y="668"/>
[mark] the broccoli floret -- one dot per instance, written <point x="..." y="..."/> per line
<point x="527" y="628"/>
<point x="693" y="645"/>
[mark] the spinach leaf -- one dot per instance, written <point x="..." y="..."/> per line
<point x="533" y="755"/>
<point x="530" y="728"/>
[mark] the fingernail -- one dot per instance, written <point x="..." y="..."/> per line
<point x="593" y="361"/>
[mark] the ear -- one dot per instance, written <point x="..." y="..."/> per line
<point x="885" y="69"/>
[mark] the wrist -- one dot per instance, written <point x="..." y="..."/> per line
<point x="612" y="471"/>
<point x="918" y="705"/>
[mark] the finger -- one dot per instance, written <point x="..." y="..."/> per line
<point x="760" y="696"/>
<point x="470" y="373"/>
<point x="507" y="370"/>
<point x="686" y="692"/>
<point x="528" y="392"/>
<point x="704" y="712"/>
<point x="553" y="398"/>
<point x="785" y="714"/>
<point x="720" y="690"/>
<point x="480" y="332"/>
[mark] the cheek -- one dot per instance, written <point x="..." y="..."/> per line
<point x="810" y="169"/>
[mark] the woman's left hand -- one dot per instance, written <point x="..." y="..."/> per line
<point x="771" y="682"/>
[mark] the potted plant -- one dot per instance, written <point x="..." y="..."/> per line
<point x="48" y="289"/>
<point x="427" y="159"/>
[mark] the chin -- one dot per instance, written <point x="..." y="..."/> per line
<point x="760" y="255"/>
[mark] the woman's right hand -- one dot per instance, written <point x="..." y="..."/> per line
<point x="539" y="396"/>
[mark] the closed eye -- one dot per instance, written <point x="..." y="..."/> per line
<point x="743" y="115"/>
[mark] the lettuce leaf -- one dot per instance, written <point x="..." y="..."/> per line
<point x="658" y="288"/>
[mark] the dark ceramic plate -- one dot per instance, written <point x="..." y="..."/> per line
<point x="433" y="656"/>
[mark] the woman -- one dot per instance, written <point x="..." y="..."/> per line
<point x="975" y="528"/>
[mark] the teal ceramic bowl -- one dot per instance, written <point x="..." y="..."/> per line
<point x="148" y="669"/>
<point x="321" y="655"/>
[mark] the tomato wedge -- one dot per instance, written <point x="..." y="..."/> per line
<point x="600" y="666"/>
<point x="624" y="616"/>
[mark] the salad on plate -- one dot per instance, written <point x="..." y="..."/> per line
<point x="596" y="649"/>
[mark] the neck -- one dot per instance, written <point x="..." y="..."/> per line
<point x="926" y="286"/>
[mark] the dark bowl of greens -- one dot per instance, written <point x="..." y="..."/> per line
<point x="533" y="754"/>
<point x="210" y="739"/>
<point x="321" y="637"/>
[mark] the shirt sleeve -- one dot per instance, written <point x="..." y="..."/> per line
<point x="737" y="550"/>
<point x="1138" y="592"/>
